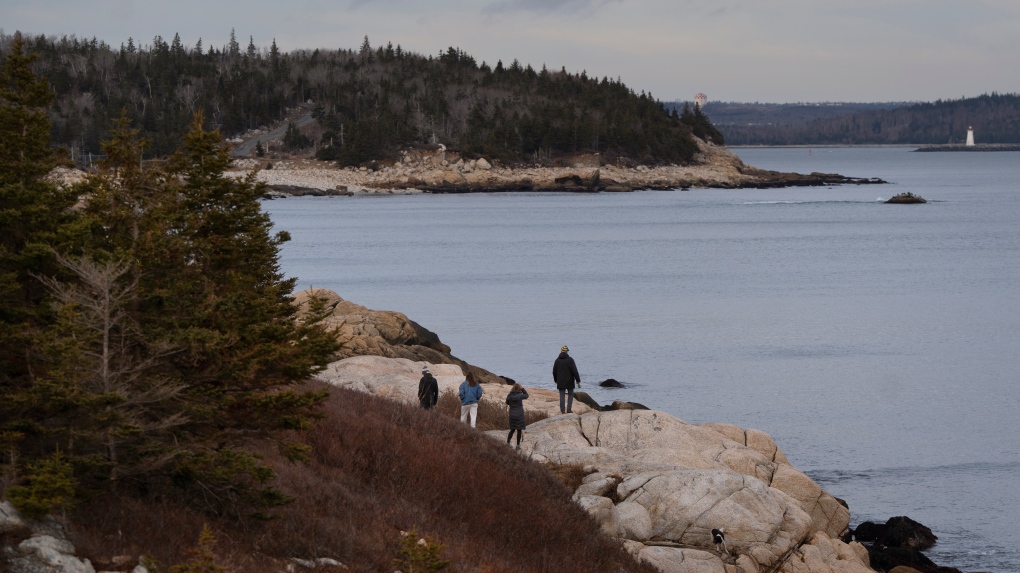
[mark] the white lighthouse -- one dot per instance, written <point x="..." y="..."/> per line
<point x="970" y="137"/>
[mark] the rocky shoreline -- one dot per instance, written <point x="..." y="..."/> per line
<point x="660" y="486"/>
<point x="654" y="482"/>
<point x="434" y="169"/>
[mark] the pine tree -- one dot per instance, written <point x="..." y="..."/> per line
<point x="35" y="217"/>
<point x="234" y="49"/>
<point x="211" y="285"/>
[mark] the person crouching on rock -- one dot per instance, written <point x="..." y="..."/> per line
<point x="565" y="374"/>
<point x="428" y="389"/>
<point x="515" y="400"/>
<point x="470" y="393"/>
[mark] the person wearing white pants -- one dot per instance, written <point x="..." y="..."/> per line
<point x="470" y="393"/>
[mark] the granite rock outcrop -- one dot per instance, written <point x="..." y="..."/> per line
<point x="661" y="485"/>
<point x="365" y="332"/>
<point x="397" y="378"/>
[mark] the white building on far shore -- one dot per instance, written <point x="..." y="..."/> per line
<point x="970" y="137"/>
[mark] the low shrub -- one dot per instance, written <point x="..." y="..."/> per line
<point x="378" y="467"/>
<point x="570" y="475"/>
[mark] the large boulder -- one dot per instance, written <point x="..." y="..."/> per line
<point x="38" y="547"/>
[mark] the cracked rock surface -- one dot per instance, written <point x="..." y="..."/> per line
<point x="661" y="485"/>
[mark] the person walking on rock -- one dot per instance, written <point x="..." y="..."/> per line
<point x="565" y="374"/>
<point x="470" y="393"/>
<point x="428" y="389"/>
<point x="515" y="400"/>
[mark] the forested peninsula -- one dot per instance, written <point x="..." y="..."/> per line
<point x="367" y="103"/>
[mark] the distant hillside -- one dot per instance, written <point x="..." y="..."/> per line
<point x="995" y="118"/>
<point x="367" y="102"/>
<point x="740" y="114"/>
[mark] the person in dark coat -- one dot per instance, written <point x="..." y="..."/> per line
<point x="565" y="374"/>
<point x="428" y="389"/>
<point x="515" y="400"/>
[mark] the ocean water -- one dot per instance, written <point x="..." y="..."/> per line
<point x="878" y="344"/>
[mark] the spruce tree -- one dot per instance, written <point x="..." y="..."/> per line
<point x="211" y="285"/>
<point x="35" y="217"/>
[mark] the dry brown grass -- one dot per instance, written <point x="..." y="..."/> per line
<point x="379" y="467"/>
<point x="491" y="414"/>
<point x="570" y="475"/>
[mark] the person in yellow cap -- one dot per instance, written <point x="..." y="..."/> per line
<point x="565" y="374"/>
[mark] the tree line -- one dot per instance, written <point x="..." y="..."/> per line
<point x="994" y="117"/>
<point x="147" y="334"/>
<point x="368" y="102"/>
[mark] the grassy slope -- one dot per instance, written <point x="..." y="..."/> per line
<point x="379" y="467"/>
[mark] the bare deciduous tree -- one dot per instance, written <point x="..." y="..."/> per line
<point x="122" y="369"/>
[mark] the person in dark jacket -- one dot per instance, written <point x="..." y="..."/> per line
<point x="565" y="374"/>
<point x="515" y="400"/>
<point x="428" y="389"/>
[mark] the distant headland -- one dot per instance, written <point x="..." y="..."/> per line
<point x="976" y="147"/>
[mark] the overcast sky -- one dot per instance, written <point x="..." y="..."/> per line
<point x="732" y="50"/>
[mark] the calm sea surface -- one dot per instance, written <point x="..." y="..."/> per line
<point x="878" y="344"/>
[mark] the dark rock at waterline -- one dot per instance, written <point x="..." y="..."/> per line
<point x="906" y="533"/>
<point x="587" y="400"/>
<point x="611" y="383"/>
<point x="899" y="532"/>
<point x="868" y="531"/>
<point x="298" y="191"/>
<point x="888" y="558"/>
<point x="898" y="543"/>
<point x="906" y="199"/>
<point x="508" y="381"/>
<point x="621" y="405"/>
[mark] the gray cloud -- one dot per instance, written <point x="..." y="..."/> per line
<point x="585" y="7"/>
<point x="744" y="50"/>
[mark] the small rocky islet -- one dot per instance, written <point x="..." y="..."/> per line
<point x="907" y="198"/>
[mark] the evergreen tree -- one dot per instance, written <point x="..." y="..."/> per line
<point x="35" y="218"/>
<point x="233" y="48"/>
<point x="211" y="286"/>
